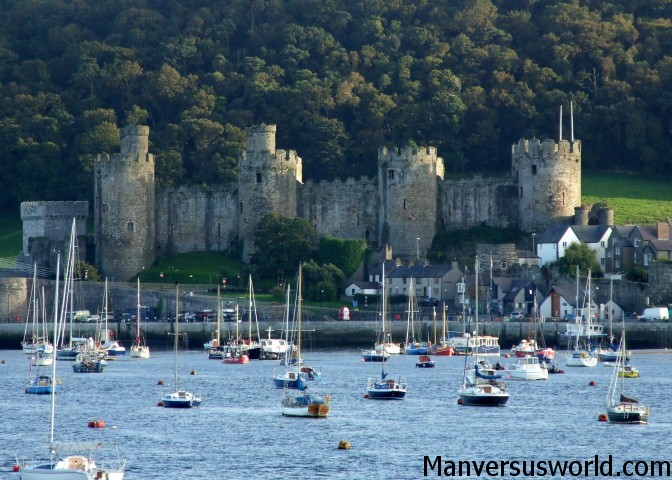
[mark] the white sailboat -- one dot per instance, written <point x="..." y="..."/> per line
<point x="299" y="402"/>
<point x="580" y="357"/>
<point x="482" y="384"/>
<point x="71" y="466"/>
<point x="412" y="345"/>
<point x="179" y="398"/>
<point x="110" y="347"/>
<point x="139" y="349"/>
<point x="36" y="340"/>
<point x="622" y="409"/>
<point x="379" y="352"/>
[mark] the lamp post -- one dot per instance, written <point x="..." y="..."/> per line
<point x="534" y="245"/>
<point x="417" y="248"/>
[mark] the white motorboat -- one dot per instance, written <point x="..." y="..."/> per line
<point x="528" y="368"/>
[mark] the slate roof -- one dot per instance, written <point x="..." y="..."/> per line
<point x="554" y="233"/>
<point x="590" y="233"/>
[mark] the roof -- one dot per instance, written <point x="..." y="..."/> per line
<point x="554" y="233"/>
<point x="420" y="271"/>
<point x="590" y="233"/>
<point x="367" y="285"/>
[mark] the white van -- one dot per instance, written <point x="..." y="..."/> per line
<point x="655" y="313"/>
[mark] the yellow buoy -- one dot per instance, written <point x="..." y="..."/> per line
<point x="344" y="445"/>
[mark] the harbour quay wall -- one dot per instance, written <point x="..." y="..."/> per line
<point x="335" y="334"/>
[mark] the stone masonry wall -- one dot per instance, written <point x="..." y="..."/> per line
<point x="192" y="219"/>
<point x="471" y="202"/>
<point x="344" y="209"/>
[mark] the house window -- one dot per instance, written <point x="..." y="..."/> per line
<point x="436" y="281"/>
<point x="564" y="244"/>
<point x="609" y="254"/>
<point x="105" y="207"/>
<point x="503" y="265"/>
<point x="352" y="293"/>
<point x="617" y="263"/>
<point x="602" y="261"/>
<point x="647" y="259"/>
<point x="130" y="226"/>
<point x="636" y="242"/>
<point x="602" y="244"/>
<point x="390" y="174"/>
<point x="618" y="250"/>
<point x="258" y="177"/>
<point x="634" y="258"/>
<point x="403" y="280"/>
<point x="534" y="169"/>
<point x="613" y="242"/>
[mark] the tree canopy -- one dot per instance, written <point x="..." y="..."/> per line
<point x="339" y="78"/>
<point x="579" y="254"/>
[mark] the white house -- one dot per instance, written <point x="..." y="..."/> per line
<point x="365" y="288"/>
<point x="554" y="241"/>
<point x="596" y="237"/>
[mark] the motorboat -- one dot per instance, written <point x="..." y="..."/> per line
<point x="424" y="361"/>
<point x="525" y="348"/>
<point x="527" y="368"/>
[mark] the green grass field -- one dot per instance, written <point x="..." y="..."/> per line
<point x="635" y="199"/>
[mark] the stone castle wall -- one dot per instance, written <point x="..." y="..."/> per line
<point x="124" y="206"/>
<point x="193" y="219"/>
<point x="470" y="202"/>
<point x="407" y="203"/>
<point x="345" y="209"/>
<point x="549" y="181"/>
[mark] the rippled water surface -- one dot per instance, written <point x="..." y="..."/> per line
<point x="239" y="433"/>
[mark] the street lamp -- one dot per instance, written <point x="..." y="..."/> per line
<point x="534" y="245"/>
<point x="417" y="248"/>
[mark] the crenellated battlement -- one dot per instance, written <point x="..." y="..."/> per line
<point x="534" y="147"/>
<point x="340" y="182"/>
<point x="54" y="210"/>
<point x="407" y="154"/>
<point x="260" y="138"/>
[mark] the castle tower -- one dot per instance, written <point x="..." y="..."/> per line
<point x="408" y="191"/>
<point x="549" y="181"/>
<point x="124" y="202"/>
<point x="267" y="182"/>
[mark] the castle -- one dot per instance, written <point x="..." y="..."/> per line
<point x="408" y="202"/>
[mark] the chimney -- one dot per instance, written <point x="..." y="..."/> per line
<point x="663" y="231"/>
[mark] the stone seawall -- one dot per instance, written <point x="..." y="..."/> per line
<point x="329" y="334"/>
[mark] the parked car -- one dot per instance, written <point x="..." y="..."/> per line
<point x="516" y="316"/>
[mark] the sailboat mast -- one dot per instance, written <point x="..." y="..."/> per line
<point x="588" y="319"/>
<point x="476" y="308"/>
<point x="177" y="321"/>
<point x="298" y="335"/>
<point x="383" y="310"/>
<point x="53" y="365"/>
<point x="249" y="313"/>
<point x="219" y="312"/>
<point x="137" y="322"/>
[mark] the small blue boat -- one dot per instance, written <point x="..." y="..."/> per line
<point x="41" y="385"/>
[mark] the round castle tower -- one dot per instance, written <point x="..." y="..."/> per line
<point x="549" y="181"/>
<point x="124" y="202"/>
<point x="408" y="190"/>
<point x="267" y="182"/>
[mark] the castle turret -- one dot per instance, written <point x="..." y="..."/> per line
<point x="408" y="192"/>
<point x="124" y="202"/>
<point x="267" y="182"/>
<point x="549" y="181"/>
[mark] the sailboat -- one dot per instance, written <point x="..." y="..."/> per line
<point x="179" y="398"/>
<point x="253" y="346"/>
<point x="39" y="382"/>
<point x="300" y="402"/>
<point x="581" y="357"/>
<point x="71" y="466"/>
<point x="383" y="388"/>
<point x="412" y="346"/>
<point x="36" y="342"/>
<point x="214" y="347"/>
<point x="139" y="349"/>
<point x="235" y="351"/>
<point x="622" y="409"/>
<point x="481" y="384"/>
<point x="111" y="347"/>
<point x="443" y="347"/>
<point x="379" y="353"/>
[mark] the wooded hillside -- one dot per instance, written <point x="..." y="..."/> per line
<point x="339" y="78"/>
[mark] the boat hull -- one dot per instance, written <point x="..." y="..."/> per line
<point x="140" y="352"/>
<point x="484" y="400"/>
<point x="581" y="359"/>
<point x="627" y="413"/>
<point x="316" y="410"/>
<point x="40" y="390"/>
<point x="375" y="355"/>
<point x="386" y="394"/>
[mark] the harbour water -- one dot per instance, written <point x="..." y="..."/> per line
<point x="239" y="433"/>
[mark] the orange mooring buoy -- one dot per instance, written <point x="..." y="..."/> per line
<point x="160" y="404"/>
<point x="603" y="417"/>
<point x="160" y="382"/>
<point x="592" y="383"/>
<point x="366" y="395"/>
<point x="97" y="424"/>
<point x="459" y="401"/>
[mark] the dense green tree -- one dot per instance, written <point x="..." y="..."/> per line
<point x="282" y="243"/>
<point x="346" y="255"/>
<point x="579" y="254"/>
